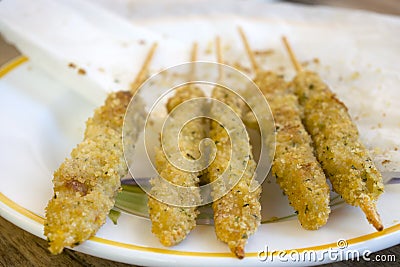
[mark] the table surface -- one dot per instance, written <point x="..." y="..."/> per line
<point x="20" y="248"/>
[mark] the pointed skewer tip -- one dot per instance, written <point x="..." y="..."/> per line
<point x="249" y="52"/>
<point x="219" y="56"/>
<point x="292" y="56"/>
<point x="141" y="76"/>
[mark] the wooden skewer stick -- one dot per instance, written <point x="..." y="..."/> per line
<point x="368" y="206"/>
<point x="250" y="53"/>
<point x="286" y="111"/>
<point x="181" y="94"/>
<point x="249" y="118"/>
<point x="141" y="76"/>
<point x="293" y="58"/>
<point x="220" y="60"/>
<point x="232" y="221"/>
<point x="193" y="58"/>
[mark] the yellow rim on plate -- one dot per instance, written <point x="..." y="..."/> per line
<point x="29" y="214"/>
<point x="9" y="66"/>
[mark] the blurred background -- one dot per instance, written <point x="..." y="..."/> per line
<point x="381" y="6"/>
<point x="391" y="7"/>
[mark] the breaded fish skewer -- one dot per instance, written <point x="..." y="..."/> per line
<point x="86" y="184"/>
<point x="295" y="166"/>
<point x="237" y="214"/>
<point x="344" y="158"/>
<point x="171" y="224"/>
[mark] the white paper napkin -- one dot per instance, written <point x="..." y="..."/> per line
<point x="84" y="46"/>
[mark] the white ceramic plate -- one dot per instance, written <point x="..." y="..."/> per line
<point x="42" y="120"/>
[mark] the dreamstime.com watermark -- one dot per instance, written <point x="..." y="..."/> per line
<point x="337" y="253"/>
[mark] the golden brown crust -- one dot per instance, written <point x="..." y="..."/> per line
<point x="343" y="157"/>
<point x="86" y="184"/>
<point x="183" y="94"/>
<point x="171" y="224"/>
<point x="295" y="167"/>
<point x="237" y="214"/>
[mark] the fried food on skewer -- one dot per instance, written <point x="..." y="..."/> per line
<point x="343" y="157"/>
<point x="237" y="214"/>
<point x="86" y="184"/>
<point x="295" y="167"/>
<point x="187" y="92"/>
<point x="171" y="224"/>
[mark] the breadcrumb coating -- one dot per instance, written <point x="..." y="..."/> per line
<point x="344" y="158"/>
<point x="237" y="214"/>
<point x="171" y="224"/>
<point x="85" y="185"/>
<point x="295" y="166"/>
